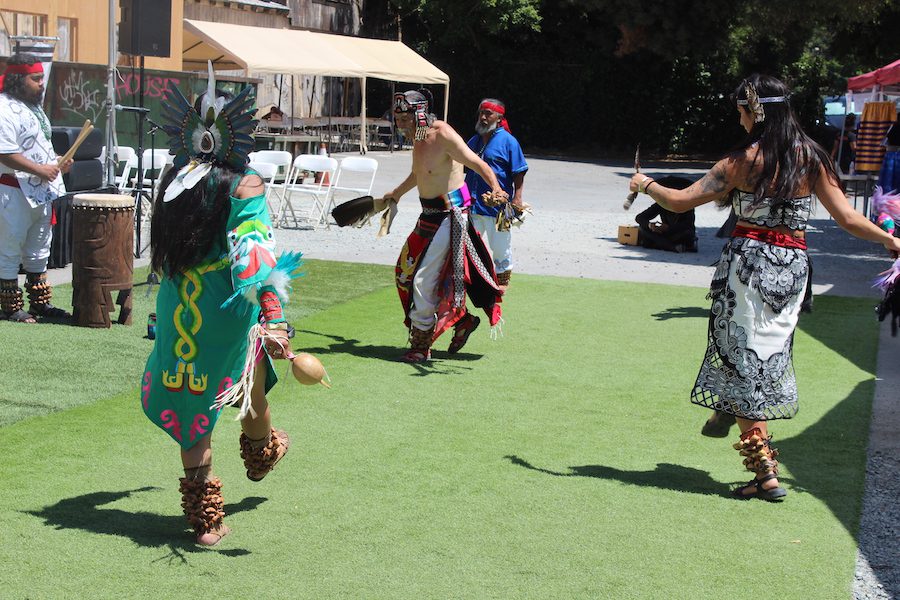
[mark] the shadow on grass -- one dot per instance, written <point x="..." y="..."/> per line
<point x="666" y="476"/>
<point x="145" y="529"/>
<point x="826" y="460"/>
<point x="682" y="312"/>
<point x="353" y="347"/>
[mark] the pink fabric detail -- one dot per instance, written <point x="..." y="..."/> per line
<point x="201" y="421"/>
<point x="170" y="422"/>
<point x="225" y="384"/>
<point x="145" y="389"/>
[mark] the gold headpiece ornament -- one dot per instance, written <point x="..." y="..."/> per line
<point x="754" y="102"/>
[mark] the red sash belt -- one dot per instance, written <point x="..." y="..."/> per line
<point x="770" y="236"/>
<point x="9" y="179"/>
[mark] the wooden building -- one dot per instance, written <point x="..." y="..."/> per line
<point x="82" y="25"/>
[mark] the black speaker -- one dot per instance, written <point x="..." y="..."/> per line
<point x="146" y="27"/>
<point x="62" y="139"/>
<point x="84" y="175"/>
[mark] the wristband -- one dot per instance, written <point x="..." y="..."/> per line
<point x="270" y="306"/>
<point x="281" y="326"/>
<point x="647" y="187"/>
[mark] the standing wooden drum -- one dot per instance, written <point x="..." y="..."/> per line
<point x="102" y="258"/>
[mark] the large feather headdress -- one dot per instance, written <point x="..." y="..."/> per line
<point x="218" y="135"/>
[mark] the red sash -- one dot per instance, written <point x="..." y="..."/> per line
<point x="9" y="179"/>
<point x="770" y="236"/>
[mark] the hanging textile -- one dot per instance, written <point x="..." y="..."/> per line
<point x="877" y="117"/>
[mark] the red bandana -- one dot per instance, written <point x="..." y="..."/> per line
<point x="21" y="70"/>
<point x="497" y="109"/>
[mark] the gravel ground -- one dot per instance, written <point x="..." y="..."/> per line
<point x="577" y="209"/>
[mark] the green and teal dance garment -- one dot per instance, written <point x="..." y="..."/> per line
<point x="204" y="316"/>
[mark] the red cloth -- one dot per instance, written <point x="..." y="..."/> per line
<point x="770" y="236"/>
<point x="21" y="70"/>
<point x="501" y="110"/>
<point x="9" y="179"/>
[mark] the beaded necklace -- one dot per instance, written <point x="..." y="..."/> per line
<point x="42" y="119"/>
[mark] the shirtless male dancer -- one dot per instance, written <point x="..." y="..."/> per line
<point x="444" y="258"/>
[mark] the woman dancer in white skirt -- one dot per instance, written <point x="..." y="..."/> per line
<point x="761" y="277"/>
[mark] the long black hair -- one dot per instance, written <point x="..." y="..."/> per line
<point x="183" y="231"/>
<point x="790" y="158"/>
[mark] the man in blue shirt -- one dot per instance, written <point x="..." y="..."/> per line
<point x="496" y="146"/>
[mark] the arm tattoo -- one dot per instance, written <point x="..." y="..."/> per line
<point x="714" y="181"/>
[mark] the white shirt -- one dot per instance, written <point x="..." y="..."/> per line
<point x="21" y="133"/>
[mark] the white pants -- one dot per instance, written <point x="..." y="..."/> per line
<point x="25" y="234"/>
<point x="425" y="292"/>
<point x="498" y="242"/>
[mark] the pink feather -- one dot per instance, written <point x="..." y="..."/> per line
<point x="886" y="202"/>
<point x="887" y="278"/>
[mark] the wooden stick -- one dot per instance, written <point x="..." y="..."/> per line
<point x="82" y="135"/>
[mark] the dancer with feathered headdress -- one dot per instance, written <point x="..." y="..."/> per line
<point x="220" y="299"/>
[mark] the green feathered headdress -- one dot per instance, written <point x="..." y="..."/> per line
<point x="220" y="134"/>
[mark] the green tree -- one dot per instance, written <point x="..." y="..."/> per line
<point x="596" y="76"/>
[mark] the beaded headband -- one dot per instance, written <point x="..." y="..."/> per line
<point x="754" y="102"/>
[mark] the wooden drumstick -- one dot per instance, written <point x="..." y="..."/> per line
<point x="82" y="135"/>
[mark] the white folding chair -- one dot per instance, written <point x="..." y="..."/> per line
<point x="281" y="159"/>
<point x="267" y="171"/>
<point x="153" y="164"/>
<point x="355" y="177"/>
<point x="323" y="169"/>
<point x="129" y="169"/>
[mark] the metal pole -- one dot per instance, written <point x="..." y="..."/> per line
<point x="139" y="184"/>
<point x="391" y="116"/>
<point x="330" y="107"/>
<point x="111" y="140"/>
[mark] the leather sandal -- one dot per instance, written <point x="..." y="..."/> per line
<point x="775" y="494"/>
<point x="19" y="316"/>
<point x="259" y="460"/>
<point x="48" y="311"/>
<point x="204" y="508"/>
<point x="416" y="355"/>
<point x="462" y="331"/>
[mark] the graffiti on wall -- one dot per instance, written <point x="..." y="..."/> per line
<point x="77" y="92"/>
<point x="154" y="86"/>
<point x="81" y="96"/>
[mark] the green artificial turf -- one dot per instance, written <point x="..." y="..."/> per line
<point x="55" y="367"/>
<point x="561" y="461"/>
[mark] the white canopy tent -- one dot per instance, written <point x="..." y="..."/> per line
<point x="259" y="50"/>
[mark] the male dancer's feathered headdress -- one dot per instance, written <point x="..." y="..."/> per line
<point x="218" y="135"/>
<point x="418" y="103"/>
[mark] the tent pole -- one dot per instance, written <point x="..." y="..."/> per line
<point x="393" y="91"/>
<point x="841" y="138"/>
<point x="446" y="100"/>
<point x="111" y="142"/>
<point x="330" y="110"/>
<point x="364" y="129"/>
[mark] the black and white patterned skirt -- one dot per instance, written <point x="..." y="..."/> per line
<point x="756" y="293"/>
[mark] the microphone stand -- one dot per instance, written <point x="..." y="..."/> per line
<point x="139" y="186"/>
<point x="154" y="127"/>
